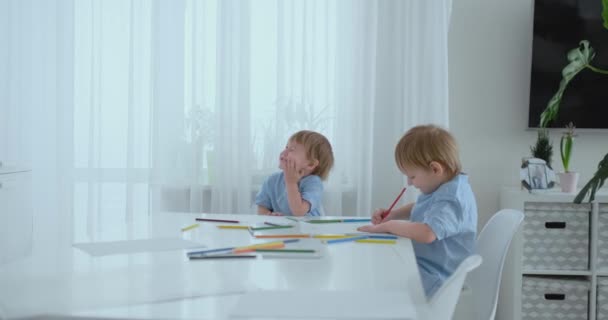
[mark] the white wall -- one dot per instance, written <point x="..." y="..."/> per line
<point x="489" y="64"/>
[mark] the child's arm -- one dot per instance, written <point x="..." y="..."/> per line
<point x="401" y="212"/>
<point x="298" y="206"/>
<point x="419" y="232"/>
<point x="263" y="210"/>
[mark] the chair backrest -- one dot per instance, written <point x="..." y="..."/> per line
<point x="442" y="303"/>
<point x="492" y="244"/>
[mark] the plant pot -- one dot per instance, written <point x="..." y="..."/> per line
<point x="568" y="181"/>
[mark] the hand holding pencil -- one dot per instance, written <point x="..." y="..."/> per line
<point x="380" y="214"/>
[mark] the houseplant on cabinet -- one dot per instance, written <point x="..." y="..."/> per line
<point x="567" y="179"/>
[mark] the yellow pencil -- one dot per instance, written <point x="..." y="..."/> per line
<point x="377" y="241"/>
<point x="261" y="245"/>
<point x="190" y="227"/>
<point x="233" y="227"/>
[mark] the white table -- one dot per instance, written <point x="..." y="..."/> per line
<point x="167" y="284"/>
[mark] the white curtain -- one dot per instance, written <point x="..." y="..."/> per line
<point x="124" y="108"/>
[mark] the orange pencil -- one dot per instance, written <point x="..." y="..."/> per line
<point x="385" y="213"/>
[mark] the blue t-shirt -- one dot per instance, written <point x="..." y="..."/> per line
<point x="451" y="212"/>
<point x="273" y="194"/>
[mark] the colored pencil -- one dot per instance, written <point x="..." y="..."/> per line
<point x="270" y="228"/>
<point x="345" y="239"/>
<point x="274" y="236"/>
<point x="286" y="250"/>
<point x="331" y="236"/>
<point x="325" y="221"/>
<point x="389" y="237"/>
<point x="210" y="251"/>
<point x="222" y="256"/>
<point x="233" y="227"/>
<point x="277" y="245"/>
<point x="190" y="227"/>
<point x="357" y="220"/>
<point x="216" y="220"/>
<point x="376" y="241"/>
<point x="259" y="245"/>
<point x="385" y="213"/>
<point x="272" y="224"/>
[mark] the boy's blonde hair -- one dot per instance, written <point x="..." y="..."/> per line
<point x="423" y="144"/>
<point x="317" y="148"/>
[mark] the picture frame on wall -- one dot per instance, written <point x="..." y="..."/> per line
<point x="536" y="175"/>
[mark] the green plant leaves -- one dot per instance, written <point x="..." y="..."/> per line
<point x="579" y="59"/>
<point x="605" y="13"/>
<point x="565" y="146"/>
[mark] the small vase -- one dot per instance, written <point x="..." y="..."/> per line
<point x="568" y="181"/>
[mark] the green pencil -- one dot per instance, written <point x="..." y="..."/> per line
<point x="325" y="221"/>
<point x="270" y="228"/>
<point x="286" y="250"/>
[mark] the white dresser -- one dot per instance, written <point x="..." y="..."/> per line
<point x="557" y="266"/>
<point x="16" y="213"/>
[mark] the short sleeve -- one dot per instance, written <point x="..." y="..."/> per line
<point x="311" y="189"/>
<point x="444" y="218"/>
<point x="263" y="197"/>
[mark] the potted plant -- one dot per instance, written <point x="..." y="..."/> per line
<point x="567" y="179"/>
<point x="543" y="149"/>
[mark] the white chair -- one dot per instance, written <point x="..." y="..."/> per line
<point x="442" y="303"/>
<point x="484" y="283"/>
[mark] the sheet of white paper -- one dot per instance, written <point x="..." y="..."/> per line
<point x="135" y="246"/>
<point x="325" y="304"/>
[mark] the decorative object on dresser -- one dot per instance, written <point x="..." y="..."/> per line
<point x="567" y="179"/>
<point x="536" y="175"/>
<point x="543" y="148"/>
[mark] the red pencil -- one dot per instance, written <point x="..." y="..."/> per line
<point x="385" y="213"/>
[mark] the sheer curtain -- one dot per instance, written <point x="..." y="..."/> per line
<point x="125" y="108"/>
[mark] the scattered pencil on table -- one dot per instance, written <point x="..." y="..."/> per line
<point x="376" y="241"/>
<point x="223" y="256"/>
<point x="345" y="239"/>
<point x="190" y="227"/>
<point x="286" y="250"/>
<point x="339" y="220"/>
<point x="279" y="236"/>
<point x="233" y="227"/>
<point x="216" y="220"/>
<point x="270" y="228"/>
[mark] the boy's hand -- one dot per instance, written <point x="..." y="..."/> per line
<point x="292" y="174"/>
<point x="377" y="216"/>
<point x="270" y="213"/>
<point x="378" y="228"/>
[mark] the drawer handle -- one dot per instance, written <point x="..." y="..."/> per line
<point x="555" y="225"/>
<point x="555" y="296"/>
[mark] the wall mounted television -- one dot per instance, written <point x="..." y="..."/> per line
<point x="559" y="26"/>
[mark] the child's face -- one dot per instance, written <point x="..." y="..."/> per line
<point x="426" y="180"/>
<point x="297" y="153"/>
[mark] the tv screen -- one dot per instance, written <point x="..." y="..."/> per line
<point x="559" y="26"/>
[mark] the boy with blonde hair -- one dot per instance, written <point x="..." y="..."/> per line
<point x="298" y="189"/>
<point x="443" y="220"/>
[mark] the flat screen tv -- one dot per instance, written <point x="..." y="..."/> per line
<point x="559" y="26"/>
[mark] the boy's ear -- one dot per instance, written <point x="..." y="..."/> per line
<point x="312" y="164"/>
<point x="436" y="167"/>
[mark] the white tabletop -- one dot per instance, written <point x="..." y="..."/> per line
<point x="166" y="284"/>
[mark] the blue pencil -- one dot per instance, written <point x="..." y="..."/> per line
<point x="383" y="237"/>
<point x="210" y="251"/>
<point x="346" y="239"/>
<point x="356" y="220"/>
